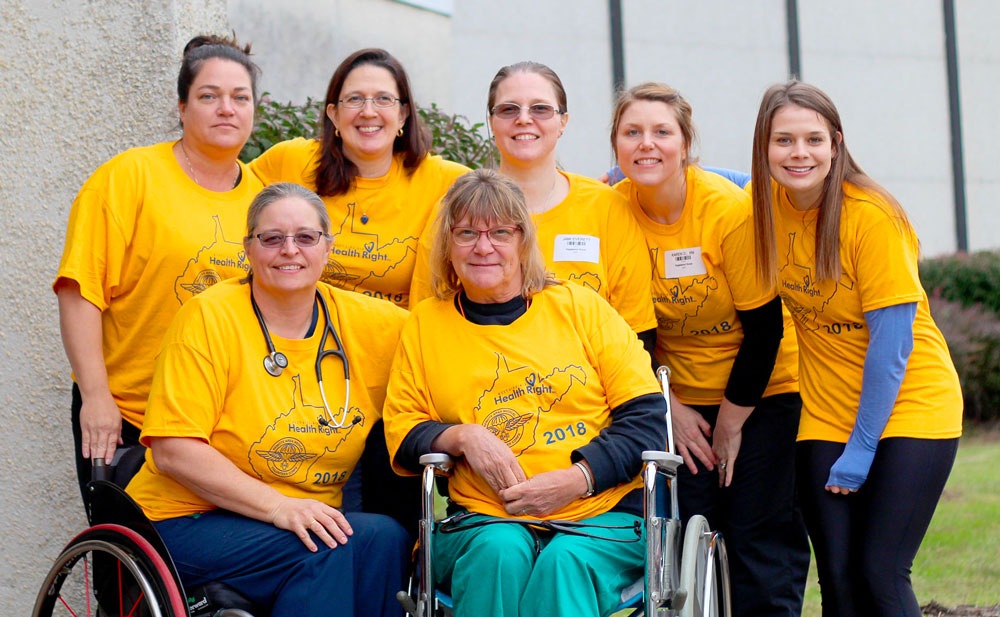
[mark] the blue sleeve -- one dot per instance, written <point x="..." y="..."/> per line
<point x="739" y="178"/>
<point x="615" y="175"/>
<point x="890" y="332"/>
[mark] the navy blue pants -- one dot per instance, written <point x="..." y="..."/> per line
<point x="272" y="568"/>
<point x="757" y="513"/>
<point x="865" y="542"/>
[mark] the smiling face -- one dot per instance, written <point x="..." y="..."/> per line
<point x="649" y="143"/>
<point x="219" y="110"/>
<point x="368" y="132"/>
<point x="524" y="139"/>
<point x="289" y="268"/>
<point x="800" y="152"/>
<point x="489" y="273"/>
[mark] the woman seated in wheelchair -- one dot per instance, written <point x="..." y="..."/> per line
<point x="247" y="458"/>
<point x="545" y="397"/>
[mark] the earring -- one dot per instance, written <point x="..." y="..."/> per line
<point x="336" y="132"/>
<point x="399" y="133"/>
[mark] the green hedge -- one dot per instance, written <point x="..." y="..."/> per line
<point x="968" y="279"/>
<point x="452" y="136"/>
<point x="973" y="336"/>
<point x="964" y="293"/>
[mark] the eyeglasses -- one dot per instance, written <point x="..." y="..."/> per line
<point x="538" y="111"/>
<point x="357" y="101"/>
<point x="302" y="239"/>
<point x="498" y="236"/>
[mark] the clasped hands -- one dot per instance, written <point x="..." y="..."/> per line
<point x="521" y="496"/>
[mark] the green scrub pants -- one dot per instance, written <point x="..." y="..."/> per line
<point x="494" y="570"/>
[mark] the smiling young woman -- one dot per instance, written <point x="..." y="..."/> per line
<point x="734" y="387"/>
<point x="882" y="404"/>
<point x="584" y="229"/>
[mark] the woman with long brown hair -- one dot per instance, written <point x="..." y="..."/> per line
<point x="882" y="405"/>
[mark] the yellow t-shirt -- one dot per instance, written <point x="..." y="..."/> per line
<point x="210" y="384"/>
<point x="879" y="261"/>
<point x="376" y="224"/>
<point x="143" y="238"/>
<point x="588" y="238"/>
<point x="545" y="385"/>
<point x="703" y="271"/>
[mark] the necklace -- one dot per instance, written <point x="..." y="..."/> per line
<point x="191" y="167"/>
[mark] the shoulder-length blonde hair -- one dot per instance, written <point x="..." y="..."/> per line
<point x="486" y="196"/>
<point x="842" y="169"/>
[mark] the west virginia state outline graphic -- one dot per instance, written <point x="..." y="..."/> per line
<point x="526" y="381"/>
<point x="587" y="279"/>
<point x="282" y="454"/>
<point x="699" y="290"/>
<point x="803" y="277"/>
<point x="396" y="252"/>
<point x="194" y="280"/>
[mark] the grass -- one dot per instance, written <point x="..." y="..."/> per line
<point x="959" y="560"/>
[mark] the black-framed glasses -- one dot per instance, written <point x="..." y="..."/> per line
<point x="356" y="101"/>
<point x="302" y="239"/>
<point x="538" y="111"/>
<point x="498" y="236"/>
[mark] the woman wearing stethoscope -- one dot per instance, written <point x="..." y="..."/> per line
<point x="249" y="444"/>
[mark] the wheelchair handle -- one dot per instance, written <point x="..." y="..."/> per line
<point x="663" y="374"/>
<point x="100" y="471"/>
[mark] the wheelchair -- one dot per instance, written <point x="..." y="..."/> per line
<point x="684" y="577"/>
<point x="120" y="565"/>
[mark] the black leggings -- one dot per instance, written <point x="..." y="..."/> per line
<point x="757" y="513"/>
<point x="865" y="542"/>
<point x="130" y="437"/>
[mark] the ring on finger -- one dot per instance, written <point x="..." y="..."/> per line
<point x="723" y="466"/>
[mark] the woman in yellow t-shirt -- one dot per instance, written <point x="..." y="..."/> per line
<point x="544" y="395"/>
<point x="149" y="230"/>
<point x="372" y="168"/>
<point x="734" y="386"/>
<point x="882" y="405"/>
<point x="584" y="230"/>
<point x="247" y="458"/>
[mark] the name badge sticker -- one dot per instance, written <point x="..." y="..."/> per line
<point x="683" y="262"/>
<point x="573" y="247"/>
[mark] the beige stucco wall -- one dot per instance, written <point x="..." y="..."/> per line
<point x="79" y="82"/>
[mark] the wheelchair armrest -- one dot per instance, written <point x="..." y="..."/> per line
<point x="439" y="460"/>
<point x="665" y="461"/>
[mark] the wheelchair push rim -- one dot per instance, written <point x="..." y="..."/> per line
<point x="131" y="578"/>
<point x="704" y="571"/>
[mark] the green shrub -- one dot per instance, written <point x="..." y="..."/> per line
<point x="973" y="336"/>
<point x="457" y="139"/>
<point x="968" y="279"/>
<point x="277" y="122"/>
<point x="452" y="136"/>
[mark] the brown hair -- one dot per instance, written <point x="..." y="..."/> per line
<point x="842" y="169"/>
<point x="206" y="46"/>
<point x="662" y="93"/>
<point x="335" y="172"/>
<point x="485" y="195"/>
<point x="527" y="67"/>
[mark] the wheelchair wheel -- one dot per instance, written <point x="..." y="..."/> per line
<point x="109" y="570"/>
<point x="704" y="571"/>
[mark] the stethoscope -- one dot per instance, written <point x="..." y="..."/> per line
<point x="275" y="361"/>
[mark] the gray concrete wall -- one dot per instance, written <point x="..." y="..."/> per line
<point x="79" y="82"/>
<point x="299" y="43"/>
<point x="978" y="22"/>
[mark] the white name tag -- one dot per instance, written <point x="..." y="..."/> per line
<point x="577" y="248"/>
<point x="683" y="262"/>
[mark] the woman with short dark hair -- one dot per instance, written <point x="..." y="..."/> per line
<point x="150" y="229"/>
